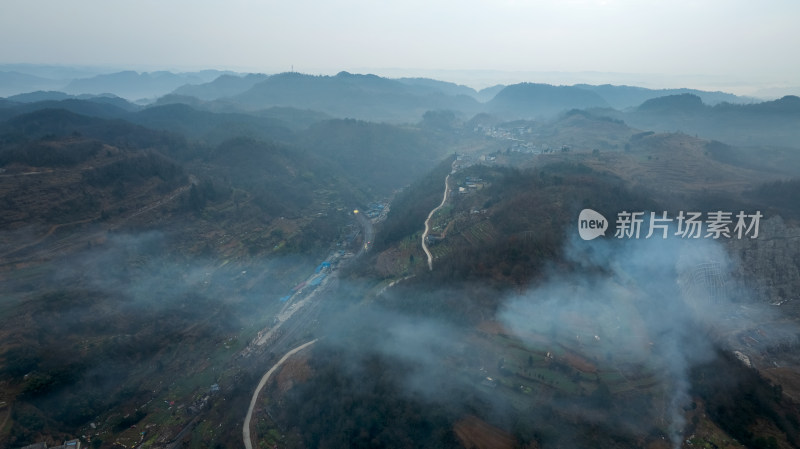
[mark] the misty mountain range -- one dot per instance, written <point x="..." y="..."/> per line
<point x="128" y="84"/>
<point x="250" y="101"/>
<point x="261" y="90"/>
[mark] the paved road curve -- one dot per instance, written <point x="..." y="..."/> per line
<point x="428" y="223"/>
<point x="246" y="426"/>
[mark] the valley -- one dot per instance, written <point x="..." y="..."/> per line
<point x="165" y="270"/>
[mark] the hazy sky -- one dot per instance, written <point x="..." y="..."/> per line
<point x="717" y="42"/>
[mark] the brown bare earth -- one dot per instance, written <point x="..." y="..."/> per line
<point x="474" y="433"/>
<point x="787" y="378"/>
<point x="579" y="363"/>
<point x="388" y="261"/>
<point x="294" y="370"/>
<point x="491" y="327"/>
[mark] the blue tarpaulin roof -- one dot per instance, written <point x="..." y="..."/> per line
<point x="317" y="280"/>
<point x="322" y="265"/>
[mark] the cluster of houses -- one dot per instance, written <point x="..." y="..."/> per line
<point x="531" y="148"/>
<point x="499" y="132"/>
<point x="472" y="184"/>
<point x="320" y="273"/>
<point x="374" y="210"/>
<point x="519" y="137"/>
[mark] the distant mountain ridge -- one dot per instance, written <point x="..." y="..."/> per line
<point x="225" y="85"/>
<point x="39" y="96"/>
<point x="93" y="107"/>
<point x="365" y="96"/>
<point x="346" y="95"/>
<point x="690" y="103"/>
<point x="774" y="122"/>
<point x="531" y="100"/>
<point x="219" y="85"/>
<point x="440" y="86"/>
<point x="680" y="103"/>
<point x="134" y="85"/>
<point x="12" y="83"/>
<point x="622" y="97"/>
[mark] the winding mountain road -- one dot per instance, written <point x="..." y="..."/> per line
<point x="248" y="444"/>
<point x="428" y="223"/>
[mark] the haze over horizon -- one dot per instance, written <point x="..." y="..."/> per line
<point x="737" y="46"/>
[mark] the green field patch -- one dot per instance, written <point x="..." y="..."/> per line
<point x="440" y="250"/>
<point x="479" y="233"/>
